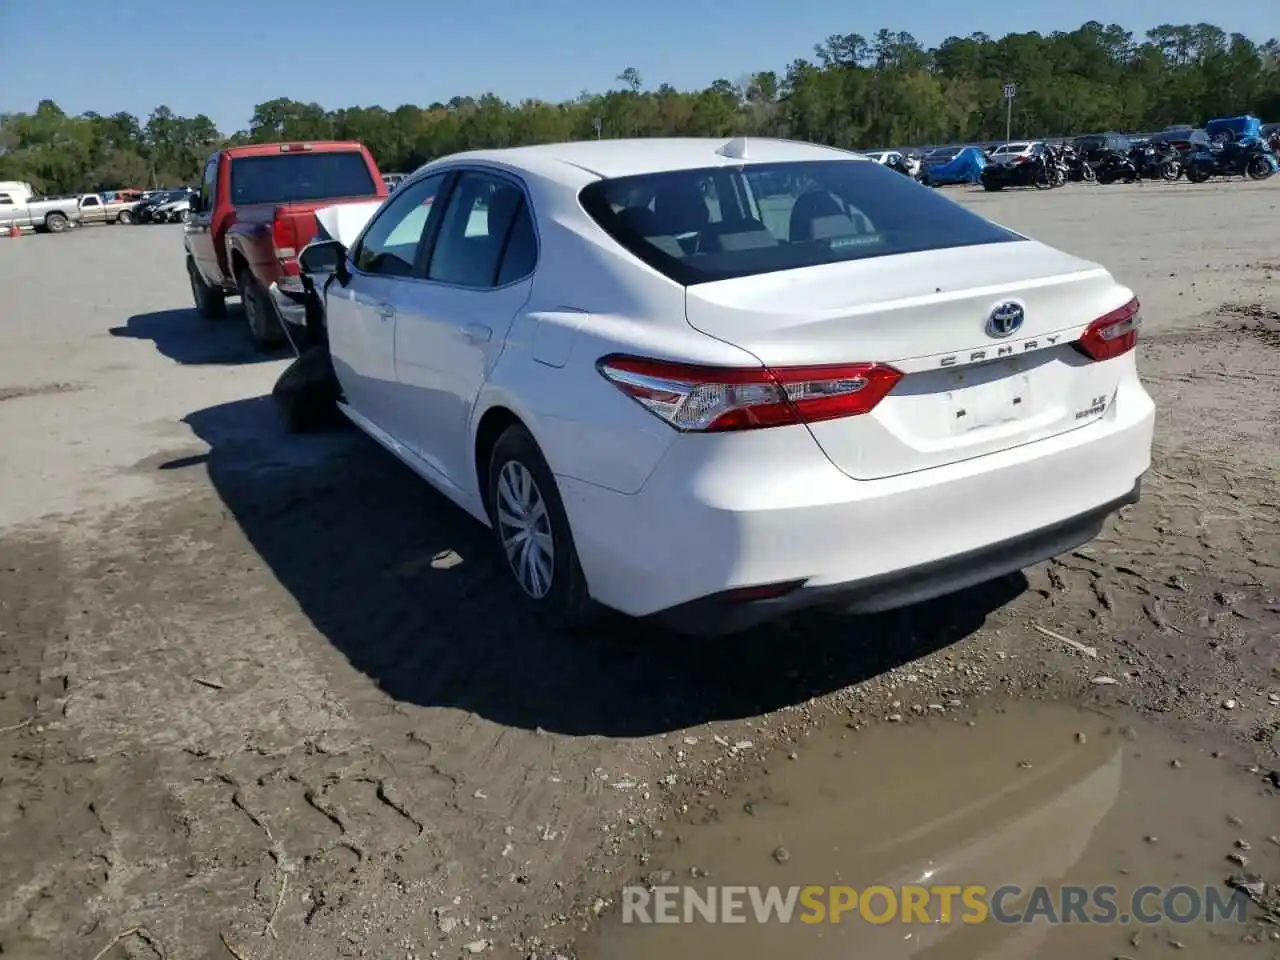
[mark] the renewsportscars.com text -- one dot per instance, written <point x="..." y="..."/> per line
<point x="973" y="904"/>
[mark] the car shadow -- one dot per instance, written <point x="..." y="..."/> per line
<point x="409" y="589"/>
<point x="183" y="336"/>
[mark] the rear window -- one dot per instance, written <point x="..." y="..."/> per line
<point x="696" y="226"/>
<point x="299" y="177"/>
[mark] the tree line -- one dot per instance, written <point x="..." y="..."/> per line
<point x="853" y="91"/>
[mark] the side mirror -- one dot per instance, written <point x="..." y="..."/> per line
<point x="325" y="257"/>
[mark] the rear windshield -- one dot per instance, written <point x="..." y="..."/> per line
<point x="299" y="177"/>
<point x="718" y="223"/>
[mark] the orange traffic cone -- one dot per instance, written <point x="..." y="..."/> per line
<point x="15" y="230"/>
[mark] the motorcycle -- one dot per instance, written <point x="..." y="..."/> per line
<point x="1158" y="161"/>
<point x="1248" y="157"/>
<point x="1078" y="169"/>
<point x="901" y="165"/>
<point x="1116" y="166"/>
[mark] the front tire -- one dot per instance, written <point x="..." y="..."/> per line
<point x="532" y="531"/>
<point x="210" y="303"/>
<point x="1258" y="168"/>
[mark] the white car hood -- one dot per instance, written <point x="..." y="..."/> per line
<point x="343" y="222"/>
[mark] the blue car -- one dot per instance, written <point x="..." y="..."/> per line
<point x="962" y="167"/>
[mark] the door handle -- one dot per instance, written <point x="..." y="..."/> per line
<point x="477" y="332"/>
<point x="385" y="311"/>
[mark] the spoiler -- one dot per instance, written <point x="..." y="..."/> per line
<point x="343" y="222"/>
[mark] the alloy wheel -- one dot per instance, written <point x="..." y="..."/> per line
<point x="525" y="529"/>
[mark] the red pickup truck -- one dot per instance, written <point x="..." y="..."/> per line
<point x="255" y="212"/>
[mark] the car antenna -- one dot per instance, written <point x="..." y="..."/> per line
<point x="735" y="149"/>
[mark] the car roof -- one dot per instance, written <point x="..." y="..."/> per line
<point x="568" y="162"/>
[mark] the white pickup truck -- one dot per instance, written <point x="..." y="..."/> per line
<point x="56" y="214"/>
<point x="51" y="214"/>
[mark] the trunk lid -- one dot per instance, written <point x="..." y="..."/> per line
<point x="966" y="391"/>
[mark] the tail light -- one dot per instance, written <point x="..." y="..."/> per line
<point x="704" y="399"/>
<point x="284" y="238"/>
<point x="1112" y="334"/>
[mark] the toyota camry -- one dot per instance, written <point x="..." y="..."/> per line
<point x="715" y="382"/>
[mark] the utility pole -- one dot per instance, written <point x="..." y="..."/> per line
<point x="1010" y="91"/>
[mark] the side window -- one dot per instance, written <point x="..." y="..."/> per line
<point x="473" y="231"/>
<point x="5" y="199"/>
<point x="209" y="184"/>
<point x="91" y="200"/>
<point x="390" y="245"/>
<point x="521" y="254"/>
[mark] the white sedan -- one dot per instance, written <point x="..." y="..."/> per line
<point x="719" y="382"/>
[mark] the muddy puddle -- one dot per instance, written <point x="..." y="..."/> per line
<point x="1029" y="814"/>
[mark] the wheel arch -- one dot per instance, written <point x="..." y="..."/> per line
<point x="493" y="423"/>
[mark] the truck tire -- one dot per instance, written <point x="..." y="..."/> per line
<point x="308" y="391"/>
<point x="210" y="303"/>
<point x="264" y="326"/>
<point x="56" y="222"/>
<point x="125" y="217"/>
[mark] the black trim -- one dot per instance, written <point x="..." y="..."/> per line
<point x="720" y="614"/>
<point x="427" y="243"/>
<point x="506" y="240"/>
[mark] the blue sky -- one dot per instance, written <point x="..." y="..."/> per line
<point x="222" y="58"/>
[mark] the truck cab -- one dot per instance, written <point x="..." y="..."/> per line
<point x="255" y="211"/>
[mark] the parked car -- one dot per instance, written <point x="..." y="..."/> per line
<point x="1022" y="165"/>
<point x="254" y="212"/>
<point x="1227" y="129"/>
<point x="1185" y="140"/>
<point x="716" y="393"/>
<point x="964" y="166"/>
<point x="50" y="214"/>
<point x="175" y="208"/>
<point x="153" y="200"/>
<point x="393" y="180"/>
<point x="1094" y="147"/>
<point x="903" y="162"/>
<point x="1017" y="152"/>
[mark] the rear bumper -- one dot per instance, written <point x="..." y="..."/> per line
<point x="290" y="302"/>
<point x="728" y="512"/>
<point x="715" y="615"/>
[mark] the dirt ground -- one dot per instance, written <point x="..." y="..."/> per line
<point x="264" y="696"/>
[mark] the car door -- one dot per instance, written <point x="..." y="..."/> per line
<point x="200" y="230"/>
<point x="362" y="315"/>
<point x="452" y="328"/>
<point x="92" y="209"/>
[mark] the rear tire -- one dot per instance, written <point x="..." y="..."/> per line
<point x="523" y="499"/>
<point x="210" y="303"/>
<point x="56" y="223"/>
<point x="307" y="393"/>
<point x="125" y="218"/>
<point x="264" y="326"/>
<point x="1198" y="172"/>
